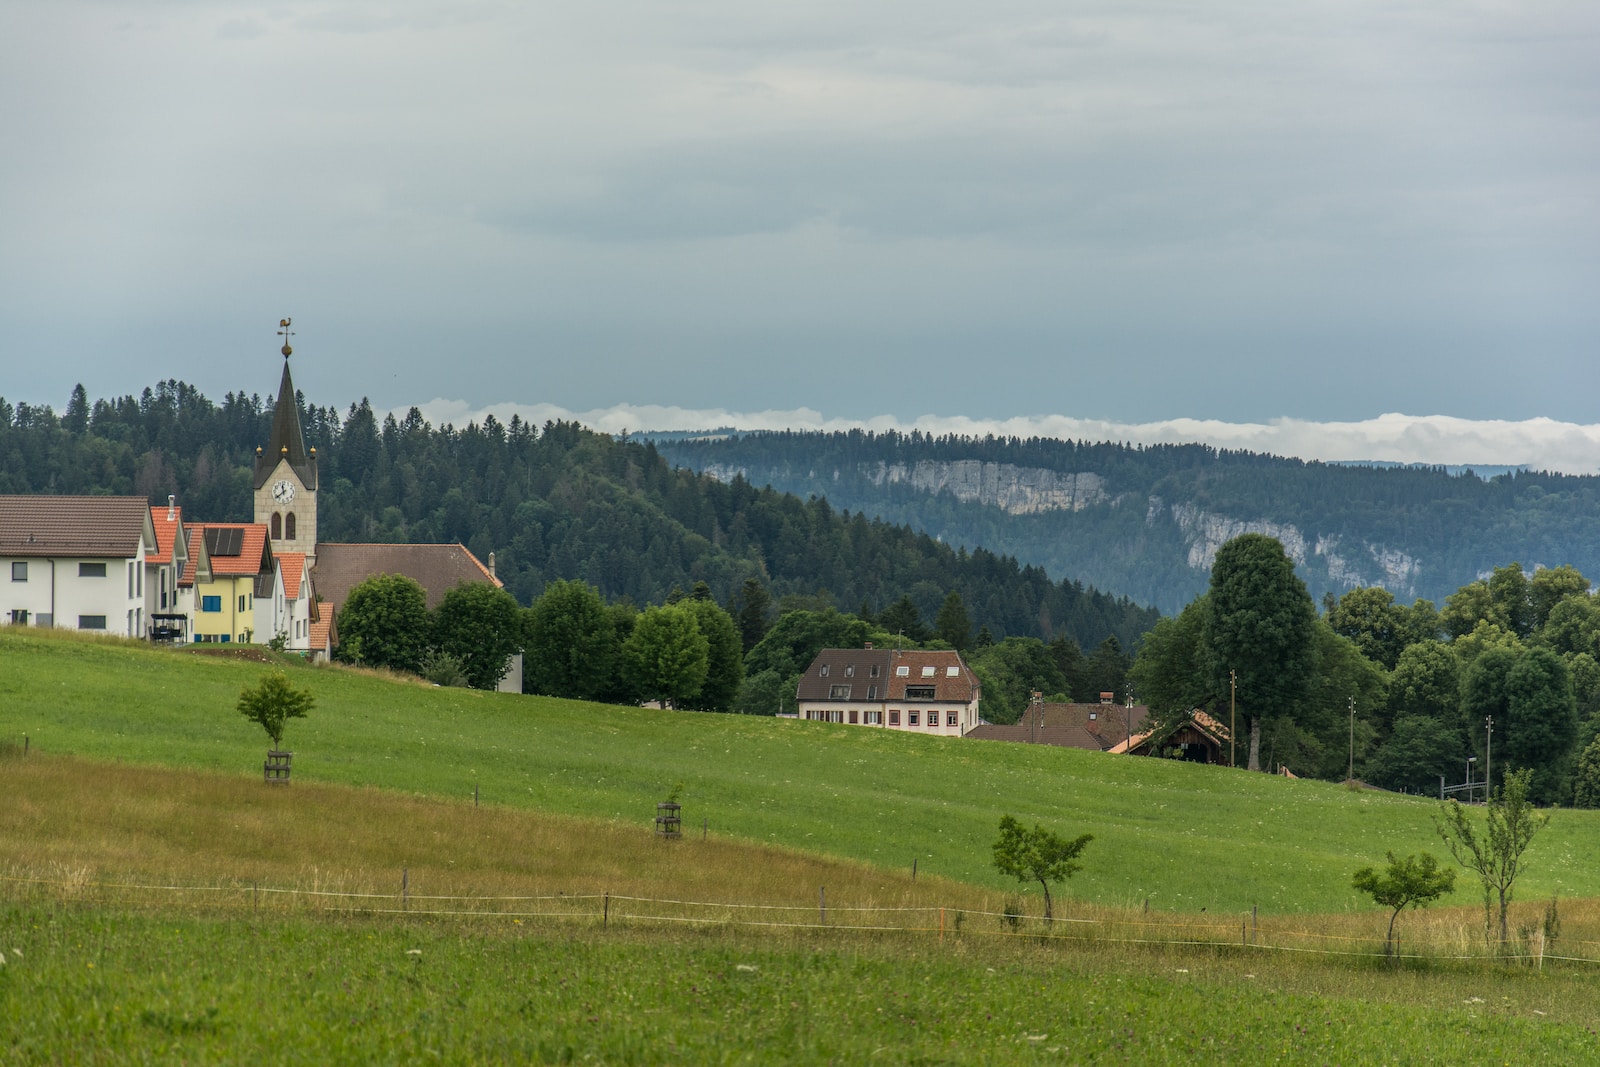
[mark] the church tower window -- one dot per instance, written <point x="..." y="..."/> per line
<point x="277" y="526"/>
<point x="288" y="526"/>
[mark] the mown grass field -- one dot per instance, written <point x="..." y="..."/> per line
<point x="1182" y="837"/>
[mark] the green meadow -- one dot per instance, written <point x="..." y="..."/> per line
<point x="1179" y="836"/>
<point x="159" y="903"/>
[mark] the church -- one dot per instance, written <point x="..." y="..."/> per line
<point x="306" y="608"/>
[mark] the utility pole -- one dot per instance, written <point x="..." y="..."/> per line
<point x="1352" y="775"/>
<point x="1233" y="719"/>
<point x="1488" y="758"/>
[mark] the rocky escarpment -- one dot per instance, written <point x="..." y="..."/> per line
<point x="1014" y="490"/>
<point x="1205" y="532"/>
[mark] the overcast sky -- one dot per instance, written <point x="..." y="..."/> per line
<point x="1255" y="213"/>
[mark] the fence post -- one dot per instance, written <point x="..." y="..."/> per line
<point x="1252" y="924"/>
<point x="1242" y="940"/>
<point x="822" y="903"/>
<point x="941" y="924"/>
<point x="913" y="868"/>
<point x="474" y="794"/>
<point x="605" y="911"/>
<point x="705" y="823"/>
<point x="405" y="889"/>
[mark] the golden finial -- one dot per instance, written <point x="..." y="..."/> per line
<point x="285" y="333"/>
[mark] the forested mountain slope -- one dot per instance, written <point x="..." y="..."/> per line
<point x="1145" y="522"/>
<point x="557" y="502"/>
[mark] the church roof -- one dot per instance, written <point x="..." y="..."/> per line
<point x="437" y="568"/>
<point x="287" y="441"/>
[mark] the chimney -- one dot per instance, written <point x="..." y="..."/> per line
<point x="1106" y="698"/>
<point x="172" y="508"/>
<point x="491" y="568"/>
<point x="869" y="646"/>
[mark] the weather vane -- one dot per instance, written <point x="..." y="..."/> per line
<point x="285" y="333"/>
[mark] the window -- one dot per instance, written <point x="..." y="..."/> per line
<point x="902" y="672"/>
<point x="853" y="717"/>
<point x="824" y="671"/>
<point x="288" y="526"/>
<point x="244" y="601"/>
<point x="850" y="670"/>
<point x="19" y="618"/>
<point x="91" y="622"/>
<point x="894" y="718"/>
<point x="933" y="720"/>
<point x="19" y="572"/>
<point x="920" y="692"/>
<point x="838" y="692"/>
<point x="927" y="672"/>
<point x="1093" y="716"/>
<point x="872" y="692"/>
<point x="836" y="716"/>
<point x="911" y="718"/>
<point x="211" y="603"/>
<point x="949" y="718"/>
<point x="277" y="526"/>
<point x="952" y="672"/>
<point x="872" y="718"/>
<point x="872" y="671"/>
<point x="225" y="638"/>
<point x="91" y="570"/>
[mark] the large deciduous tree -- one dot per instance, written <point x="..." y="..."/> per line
<point x="724" y="658"/>
<point x="572" y="643"/>
<point x="1261" y="626"/>
<point x="666" y="657"/>
<point x="480" y="625"/>
<point x="384" y="623"/>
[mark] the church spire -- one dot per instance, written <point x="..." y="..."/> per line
<point x="287" y="441"/>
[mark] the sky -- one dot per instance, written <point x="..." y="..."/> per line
<point x="1351" y="230"/>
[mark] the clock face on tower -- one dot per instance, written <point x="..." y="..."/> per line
<point x="283" y="490"/>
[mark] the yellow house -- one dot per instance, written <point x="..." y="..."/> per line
<point x="231" y="566"/>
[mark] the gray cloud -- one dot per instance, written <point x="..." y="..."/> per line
<point x="1237" y="210"/>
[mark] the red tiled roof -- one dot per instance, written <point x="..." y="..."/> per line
<point x="294" y="569"/>
<point x="321" y="631"/>
<point x="932" y="668"/>
<point x="254" y="554"/>
<point x="1096" y="727"/>
<point x="92" y="526"/>
<point x="166" y="532"/>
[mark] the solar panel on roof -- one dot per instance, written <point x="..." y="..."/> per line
<point x="226" y="542"/>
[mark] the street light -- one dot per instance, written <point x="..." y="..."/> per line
<point x="1470" y="761"/>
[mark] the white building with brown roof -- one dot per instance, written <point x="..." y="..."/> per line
<point x="930" y="692"/>
<point x="75" y="562"/>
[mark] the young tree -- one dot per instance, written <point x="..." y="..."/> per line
<point x="1037" y="855"/>
<point x="384" y="623"/>
<point x="1495" y="852"/>
<point x="1415" y="880"/>
<point x="1260" y="626"/>
<point x="481" y="625"/>
<point x="273" y="702"/>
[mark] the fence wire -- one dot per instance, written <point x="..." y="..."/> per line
<point x="603" y="909"/>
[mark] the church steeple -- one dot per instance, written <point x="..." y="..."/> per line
<point x="286" y="473"/>
<point x="287" y="441"/>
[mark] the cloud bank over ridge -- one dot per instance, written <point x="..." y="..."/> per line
<point x="1539" y="444"/>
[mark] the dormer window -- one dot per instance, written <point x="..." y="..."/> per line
<point x="872" y="671"/>
<point x="927" y="672"/>
<point x="952" y="672"/>
<point x="850" y="670"/>
<point x="824" y="671"/>
<point x="902" y="672"/>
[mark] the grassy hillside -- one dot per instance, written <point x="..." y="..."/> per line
<point x="1183" y="837"/>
